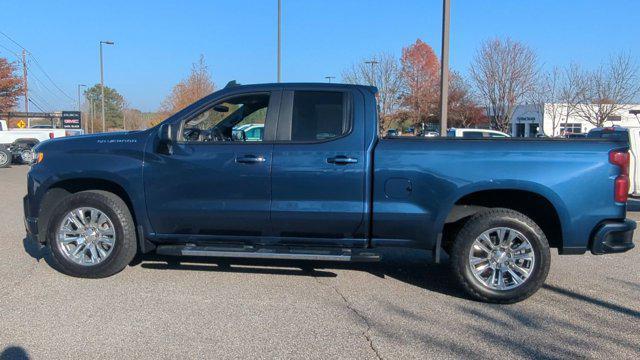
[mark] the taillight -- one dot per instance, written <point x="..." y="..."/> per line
<point x="51" y="136"/>
<point x="621" y="184"/>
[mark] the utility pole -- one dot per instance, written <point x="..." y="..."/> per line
<point x="79" y="102"/>
<point x="26" y="85"/>
<point x="279" y="40"/>
<point x="104" y="129"/>
<point x="329" y="78"/>
<point x="124" y="119"/>
<point x="444" y="69"/>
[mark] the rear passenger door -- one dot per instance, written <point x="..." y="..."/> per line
<point x="318" y="169"/>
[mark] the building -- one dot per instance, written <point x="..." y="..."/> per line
<point x="550" y="119"/>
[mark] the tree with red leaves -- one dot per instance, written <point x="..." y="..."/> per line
<point x="10" y="85"/>
<point x="420" y="70"/>
<point x="464" y="112"/>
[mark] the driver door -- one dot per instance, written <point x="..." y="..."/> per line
<point x="215" y="183"/>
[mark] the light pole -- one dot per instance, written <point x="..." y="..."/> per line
<point x="373" y="64"/>
<point x="329" y="78"/>
<point x="102" y="81"/>
<point x="444" y="68"/>
<point x="93" y="115"/>
<point x="635" y="112"/>
<point x="279" y="40"/>
<point x="79" y="86"/>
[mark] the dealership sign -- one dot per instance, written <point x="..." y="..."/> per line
<point x="71" y="120"/>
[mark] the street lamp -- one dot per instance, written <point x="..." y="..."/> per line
<point x="102" y="81"/>
<point x="329" y="78"/>
<point x="79" y="86"/>
<point x="373" y="64"/>
<point x="635" y="112"/>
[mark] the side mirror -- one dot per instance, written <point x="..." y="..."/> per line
<point x="165" y="134"/>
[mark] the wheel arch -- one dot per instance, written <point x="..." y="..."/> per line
<point x="60" y="189"/>
<point x="30" y="141"/>
<point x="540" y="204"/>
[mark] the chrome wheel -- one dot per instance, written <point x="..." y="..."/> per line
<point x="4" y="159"/>
<point x="26" y="156"/>
<point x="501" y="258"/>
<point x="86" y="236"/>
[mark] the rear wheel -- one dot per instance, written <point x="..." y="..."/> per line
<point x="501" y="256"/>
<point x="92" y="235"/>
<point x="5" y="158"/>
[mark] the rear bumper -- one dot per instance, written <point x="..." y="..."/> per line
<point x="613" y="237"/>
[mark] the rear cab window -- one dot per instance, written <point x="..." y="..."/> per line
<point x="316" y="116"/>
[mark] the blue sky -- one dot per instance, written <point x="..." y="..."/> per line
<point x="156" y="42"/>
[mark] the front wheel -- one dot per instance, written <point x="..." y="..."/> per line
<point x="501" y="256"/>
<point x="92" y="235"/>
<point x="26" y="156"/>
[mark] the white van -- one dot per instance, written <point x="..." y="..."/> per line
<point x="476" y="133"/>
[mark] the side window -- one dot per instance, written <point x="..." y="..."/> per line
<point x="318" y="115"/>
<point x="494" y="135"/>
<point x="229" y="120"/>
<point x="472" y="134"/>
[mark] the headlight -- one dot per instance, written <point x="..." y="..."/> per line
<point x="38" y="157"/>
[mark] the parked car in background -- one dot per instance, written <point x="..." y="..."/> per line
<point x="392" y="132"/>
<point x="476" y="133"/>
<point x="429" y="134"/>
<point x="575" y="136"/>
<point x="251" y="132"/>
<point x="321" y="185"/>
<point x="19" y="142"/>
<point x="631" y="135"/>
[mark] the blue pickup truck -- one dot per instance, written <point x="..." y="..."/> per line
<point x="320" y="184"/>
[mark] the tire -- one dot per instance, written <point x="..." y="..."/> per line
<point x="26" y="156"/>
<point x="5" y="158"/>
<point x="486" y="222"/>
<point x="124" y="246"/>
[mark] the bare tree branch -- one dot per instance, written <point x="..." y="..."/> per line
<point x="504" y="73"/>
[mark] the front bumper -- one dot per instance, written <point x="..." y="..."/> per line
<point x="30" y="223"/>
<point x="613" y="237"/>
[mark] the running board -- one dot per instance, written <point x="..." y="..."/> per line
<point x="281" y="253"/>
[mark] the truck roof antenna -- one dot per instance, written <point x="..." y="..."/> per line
<point x="231" y="84"/>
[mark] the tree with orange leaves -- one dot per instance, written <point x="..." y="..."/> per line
<point x="189" y="90"/>
<point x="10" y="86"/>
<point x="420" y="70"/>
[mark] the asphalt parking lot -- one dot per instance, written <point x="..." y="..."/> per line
<point x="401" y="308"/>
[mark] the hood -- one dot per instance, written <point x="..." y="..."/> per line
<point x="92" y="141"/>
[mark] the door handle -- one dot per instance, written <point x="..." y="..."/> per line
<point x="250" y="159"/>
<point x="342" y="160"/>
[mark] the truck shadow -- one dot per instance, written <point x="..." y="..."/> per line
<point x="14" y="353"/>
<point x="413" y="267"/>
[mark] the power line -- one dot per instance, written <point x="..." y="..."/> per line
<point x="38" y="65"/>
<point x="36" y="105"/>
<point x="41" y="83"/>
<point x="48" y="77"/>
<point x="13" y="41"/>
<point x="41" y="100"/>
<point x="11" y="51"/>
